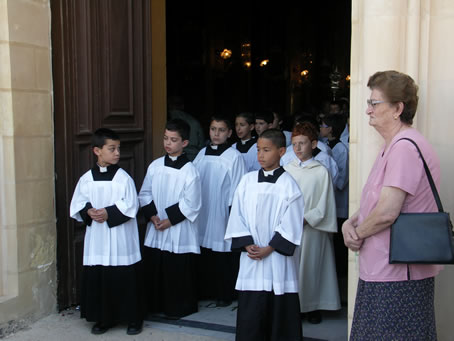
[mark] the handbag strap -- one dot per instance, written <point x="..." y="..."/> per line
<point x="429" y="176"/>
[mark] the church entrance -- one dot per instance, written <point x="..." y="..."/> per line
<point x="288" y="57"/>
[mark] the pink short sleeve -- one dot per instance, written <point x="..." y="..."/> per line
<point x="404" y="167"/>
<point x="401" y="167"/>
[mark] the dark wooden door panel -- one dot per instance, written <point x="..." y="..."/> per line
<point x="102" y="78"/>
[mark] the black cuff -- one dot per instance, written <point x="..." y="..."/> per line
<point x="149" y="210"/>
<point x="239" y="244"/>
<point x="115" y="217"/>
<point x="174" y="214"/>
<point x="282" y="245"/>
<point x="84" y="215"/>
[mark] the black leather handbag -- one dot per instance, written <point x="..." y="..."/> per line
<point x="422" y="238"/>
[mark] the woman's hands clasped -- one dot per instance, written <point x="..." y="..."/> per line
<point x="351" y="238"/>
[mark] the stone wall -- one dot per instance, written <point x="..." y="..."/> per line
<point x="27" y="203"/>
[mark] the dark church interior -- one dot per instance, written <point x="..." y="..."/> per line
<point x="224" y="58"/>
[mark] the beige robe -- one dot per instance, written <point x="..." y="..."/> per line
<point x="318" y="288"/>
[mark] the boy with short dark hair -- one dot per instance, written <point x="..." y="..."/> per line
<point x="334" y="125"/>
<point x="263" y="120"/>
<point x="170" y="198"/>
<point x="266" y="224"/>
<point x="221" y="168"/>
<point x="247" y="144"/>
<point x="278" y="123"/>
<point x="105" y="199"/>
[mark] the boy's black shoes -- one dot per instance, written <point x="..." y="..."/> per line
<point x="134" y="328"/>
<point x="99" y="328"/>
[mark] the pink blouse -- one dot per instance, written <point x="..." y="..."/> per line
<point x="400" y="166"/>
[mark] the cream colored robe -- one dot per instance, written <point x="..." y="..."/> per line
<point x="318" y="289"/>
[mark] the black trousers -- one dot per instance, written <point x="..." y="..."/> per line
<point x="170" y="282"/>
<point x="264" y="316"/>
<point x="217" y="273"/>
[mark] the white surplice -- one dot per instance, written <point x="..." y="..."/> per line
<point x="250" y="156"/>
<point x="167" y="186"/>
<point x="104" y="245"/>
<point x="220" y="175"/>
<point x="260" y="210"/>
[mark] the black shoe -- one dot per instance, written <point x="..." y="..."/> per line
<point x="314" y="317"/>
<point x="222" y="303"/>
<point x="134" y="328"/>
<point x="99" y="328"/>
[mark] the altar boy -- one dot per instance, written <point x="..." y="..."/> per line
<point x="170" y="198"/>
<point x="221" y="168"/>
<point x="266" y="224"/>
<point x="105" y="199"/>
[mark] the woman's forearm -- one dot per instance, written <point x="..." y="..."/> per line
<point x="384" y="214"/>
<point x="375" y="222"/>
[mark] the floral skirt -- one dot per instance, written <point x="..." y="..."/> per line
<point x="394" y="311"/>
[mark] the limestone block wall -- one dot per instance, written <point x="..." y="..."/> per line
<point x="27" y="213"/>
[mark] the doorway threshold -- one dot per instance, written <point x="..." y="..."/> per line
<point x="221" y="321"/>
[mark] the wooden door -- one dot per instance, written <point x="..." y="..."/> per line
<point x="102" y="78"/>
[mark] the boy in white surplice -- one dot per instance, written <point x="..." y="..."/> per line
<point x="105" y="199"/>
<point x="170" y="198"/>
<point x="266" y="223"/>
<point x="221" y="168"/>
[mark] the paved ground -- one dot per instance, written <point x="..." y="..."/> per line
<point x="67" y="326"/>
<point x="208" y="324"/>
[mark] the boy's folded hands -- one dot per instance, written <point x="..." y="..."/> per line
<point x="159" y="224"/>
<point x="258" y="253"/>
<point x="98" y="215"/>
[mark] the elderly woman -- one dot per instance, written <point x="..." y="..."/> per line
<point x="394" y="301"/>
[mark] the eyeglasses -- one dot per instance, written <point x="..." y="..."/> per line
<point x="371" y="103"/>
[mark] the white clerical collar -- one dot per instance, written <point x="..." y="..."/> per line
<point x="214" y="146"/>
<point x="173" y="158"/>
<point x="303" y="164"/>
<point x="102" y="169"/>
<point x="268" y="173"/>
<point x="244" y="141"/>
